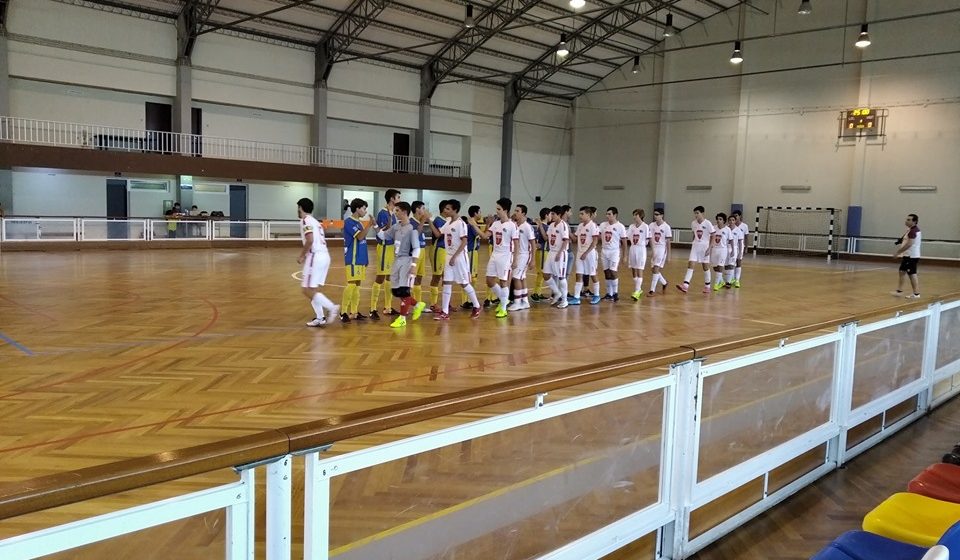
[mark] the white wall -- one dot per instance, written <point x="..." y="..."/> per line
<point x="277" y="202"/>
<point x="701" y="123"/>
<point x="44" y="194"/>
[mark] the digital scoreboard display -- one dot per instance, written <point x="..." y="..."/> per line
<point x="861" y="119"/>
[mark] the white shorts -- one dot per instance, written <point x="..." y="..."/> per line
<point x="718" y="257"/>
<point x="315" y="268"/>
<point x="555" y="268"/>
<point x="458" y="272"/>
<point x="610" y="260"/>
<point x="699" y="254"/>
<point x="587" y="265"/>
<point x="499" y="266"/>
<point x="659" y="256"/>
<point x="520" y="271"/>
<point x="638" y="257"/>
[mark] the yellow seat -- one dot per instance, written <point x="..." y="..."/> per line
<point x="912" y="518"/>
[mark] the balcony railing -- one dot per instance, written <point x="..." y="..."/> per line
<point x="96" y="137"/>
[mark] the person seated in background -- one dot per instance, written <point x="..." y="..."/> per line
<point x="194" y="229"/>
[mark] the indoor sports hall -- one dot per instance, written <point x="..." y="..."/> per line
<point x="171" y="170"/>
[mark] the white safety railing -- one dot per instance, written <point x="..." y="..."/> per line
<point x="97" y="137"/>
<point x="39" y="229"/>
<point x="578" y="478"/>
<point x="103" y="229"/>
<point x="239" y="230"/>
<point x="30" y="229"/>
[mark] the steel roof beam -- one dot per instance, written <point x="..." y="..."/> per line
<point x="348" y="27"/>
<point x="193" y="16"/>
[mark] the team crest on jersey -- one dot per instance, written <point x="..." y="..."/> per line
<point x="699" y="234"/>
<point x="499" y="238"/>
<point x="553" y="238"/>
<point x="636" y="239"/>
<point x="717" y="239"/>
<point x="449" y="240"/>
<point x="608" y="236"/>
<point x="656" y="237"/>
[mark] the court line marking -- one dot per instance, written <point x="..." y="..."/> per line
<point x="15" y="344"/>
<point x="96" y="371"/>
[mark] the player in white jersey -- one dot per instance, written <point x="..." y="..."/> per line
<point x="457" y="269"/>
<point x="720" y="248"/>
<point x="613" y="240"/>
<point x="742" y="249"/>
<point x="502" y="234"/>
<point x="586" y="257"/>
<point x="660" y="236"/>
<point x="558" y="240"/>
<point x="699" y="250"/>
<point x="736" y="245"/>
<point x="638" y="237"/>
<point x="909" y="250"/>
<point x="316" y="263"/>
<point x="526" y="249"/>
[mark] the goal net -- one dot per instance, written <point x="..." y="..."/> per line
<point x="798" y="230"/>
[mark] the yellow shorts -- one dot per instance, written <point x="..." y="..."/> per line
<point x="422" y="261"/>
<point x="474" y="264"/>
<point x="356" y="272"/>
<point x="539" y="258"/>
<point x="439" y="260"/>
<point x="385" y="254"/>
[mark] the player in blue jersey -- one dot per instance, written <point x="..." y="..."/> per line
<point x="386" y="218"/>
<point x="541" y="256"/>
<point x="438" y="258"/>
<point x="355" y="257"/>
<point x="417" y="221"/>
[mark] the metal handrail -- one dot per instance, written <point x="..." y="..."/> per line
<point x="101" y="137"/>
<point x="20" y="498"/>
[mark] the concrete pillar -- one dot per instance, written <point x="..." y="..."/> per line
<point x="182" y="105"/>
<point x="422" y="144"/>
<point x="660" y="74"/>
<point x="511" y="98"/>
<point x="6" y="176"/>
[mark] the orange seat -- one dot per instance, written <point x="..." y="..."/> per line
<point x="940" y="481"/>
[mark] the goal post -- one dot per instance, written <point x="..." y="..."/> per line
<point x="802" y="230"/>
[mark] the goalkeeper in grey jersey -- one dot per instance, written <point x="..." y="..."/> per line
<point x="403" y="273"/>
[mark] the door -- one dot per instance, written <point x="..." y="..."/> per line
<point x="117" y="208"/>
<point x="401" y="152"/>
<point x="238" y="210"/>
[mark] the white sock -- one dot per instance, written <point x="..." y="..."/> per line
<point x="552" y="284"/>
<point x="662" y="279"/>
<point x="564" y="286"/>
<point x="577" y="289"/>
<point x="706" y="276"/>
<point x="445" y="298"/>
<point x="638" y="284"/>
<point x="654" y="280"/>
<point x="729" y="275"/>
<point x="616" y="287"/>
<point x="595" y="288"/>
<point x="688" y="276"/>
<point x="317" y="304"/>
<point x="472" y="294"/>
<point x="736" y="273"/>
<point x="505" y="298"/>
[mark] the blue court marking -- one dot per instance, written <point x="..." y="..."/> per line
<point x="15" y="344"/>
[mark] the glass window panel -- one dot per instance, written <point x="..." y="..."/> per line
<point x="948" y="346"/>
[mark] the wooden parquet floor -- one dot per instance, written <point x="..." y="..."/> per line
<point x="110" y="355"/>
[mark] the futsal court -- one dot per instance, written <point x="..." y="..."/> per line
<point x="117" y="354"/>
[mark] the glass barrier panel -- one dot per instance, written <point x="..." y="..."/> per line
<point x="515" y="494"/>
<point x="195" y="538"/>
<point x="39" y="229"/>
<point x="238" y="230"/>
<point x="887" y="359"/>
<point x="113" y="230"/>
<point x="178" y="229"/>
<point x="284" y="230"/>
<point x="710" y="515"/>
<point x="948" y="344"/>
<point x="750" y="410"/>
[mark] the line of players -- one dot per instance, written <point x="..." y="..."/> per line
<point x="517" y="245"/>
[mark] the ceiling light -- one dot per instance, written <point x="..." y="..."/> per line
<point x="863" y="40"/>
<point x="577" y="4"/>
<point x="636" y="64"/>
<point x="468" y="21"/>
<point x="737" y="56"/>
<point x="805" y="8"/>
<point x="669" y="30"/>
<point x="562" y="50"/>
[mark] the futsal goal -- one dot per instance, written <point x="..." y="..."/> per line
<point x="797" y="230"/>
